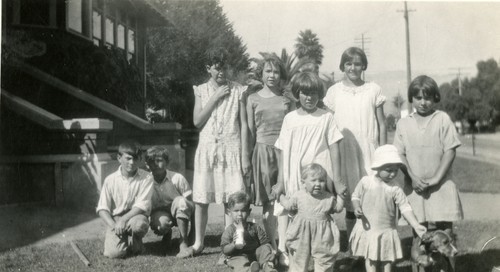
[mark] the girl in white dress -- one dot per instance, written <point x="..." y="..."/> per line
<point x="359" y="113"/>
<point x="308" y="135"/>
<point x="376" y="200"/>
<point x="220" y="161"/>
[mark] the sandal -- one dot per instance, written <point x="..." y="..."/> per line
<point x="188" y="253"/>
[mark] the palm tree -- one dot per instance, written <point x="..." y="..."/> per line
<point x="288" y="62"/>
<point x="308" y="46"/>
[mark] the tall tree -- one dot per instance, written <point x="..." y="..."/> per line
<point x="176" y="53"/>
<point x="308" y="46"/>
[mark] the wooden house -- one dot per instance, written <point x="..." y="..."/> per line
<point x="73" y="87"/>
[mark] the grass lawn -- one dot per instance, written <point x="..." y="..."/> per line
<point x="475" y="176"/>
<point x="472" y="235"/>
<point x="472" y="176"/>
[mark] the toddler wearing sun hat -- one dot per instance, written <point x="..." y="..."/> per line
<point x="376" y="200"/>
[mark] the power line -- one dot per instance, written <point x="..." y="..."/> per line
<point x="459" y="77"/>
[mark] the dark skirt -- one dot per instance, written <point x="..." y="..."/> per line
<point x="265" y="161"/>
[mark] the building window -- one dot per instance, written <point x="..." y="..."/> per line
<point x="110" y="33"/>
<point x="131" y="44"/>
<point x="35" y="12"/>
<point x="75" y="15"/>
<point x="96" y="27"/>
<point x="120" y="36"/>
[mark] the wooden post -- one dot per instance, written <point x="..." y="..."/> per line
<point x="79" y="253"/>
<point x="473" y="143"/>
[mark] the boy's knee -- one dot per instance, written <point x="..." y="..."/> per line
<point x="140" y="226"/>
<point x="183" y="208"/>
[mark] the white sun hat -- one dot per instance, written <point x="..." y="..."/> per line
<point x="386" y="154"/>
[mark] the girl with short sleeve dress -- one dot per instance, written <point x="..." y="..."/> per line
<point x="358" y="111"/>
<point x="266" y="109"/>
<point x="427" y="141"/>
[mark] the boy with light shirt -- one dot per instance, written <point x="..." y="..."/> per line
<point x="125" y="203"/>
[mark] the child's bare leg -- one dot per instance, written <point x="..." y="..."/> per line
<point x="387" y="266"/>
<point x="269" y="222"/>
<point x="350" y="221"/>
<point x="282" y="226"/>
<point x="200" y="222"/>
<point x="370" y="265"/>
<point x="183" y="225"/>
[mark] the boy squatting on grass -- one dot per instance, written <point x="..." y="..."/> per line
<point x="171" y="198"/>
<point x="245" y="244"/>
<point x="125" y="203"/>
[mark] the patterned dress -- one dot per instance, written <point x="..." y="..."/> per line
<point x="354" y="110"/>
<point x="269" y="113"/>
<point x="424" y="146"/>
<point x="375" y="236"/>
<point x="313" y="232"/>
<point x="217" y="162"/>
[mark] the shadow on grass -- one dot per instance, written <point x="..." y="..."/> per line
<point x="478" y="262"/>
<point x="25" y="225"/>
<point x="157" y="248"/>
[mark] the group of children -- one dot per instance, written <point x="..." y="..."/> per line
<point x="305" y="163"/>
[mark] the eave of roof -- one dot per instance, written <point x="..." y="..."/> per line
<point x="160" y="17"/>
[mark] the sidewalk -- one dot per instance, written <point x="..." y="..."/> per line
<point x="21" y="228"/>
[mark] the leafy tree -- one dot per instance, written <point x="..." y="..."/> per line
<point x="176" y="54"/>
<point x="480" y="100"/>
<point x="308" y="46"/>
<point x="398" y="102"/>
<point x="390" y="121"/>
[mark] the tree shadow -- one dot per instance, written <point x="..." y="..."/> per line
<point x="157" y="248"/>
<point x="25" y="225"/>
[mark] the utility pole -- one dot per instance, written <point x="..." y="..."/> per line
<point x="363" y="40"/>
<point x="408" y="61"/>
<point x="459" y="78"/>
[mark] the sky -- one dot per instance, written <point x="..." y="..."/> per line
<point x="445" y="37"/>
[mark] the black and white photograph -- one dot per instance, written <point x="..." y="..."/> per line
<point x="250" y="135"/>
